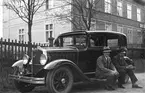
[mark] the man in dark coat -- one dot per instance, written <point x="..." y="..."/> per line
<point x="125" y="65"/>
<point x="106" y="70"/>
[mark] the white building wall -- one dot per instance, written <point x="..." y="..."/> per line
<point x="62" y="28"/>
<point x="12" y="24"/>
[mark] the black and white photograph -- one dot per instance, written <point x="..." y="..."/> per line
<point x="72" y="46"/>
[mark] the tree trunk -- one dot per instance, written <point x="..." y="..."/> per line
<point x="30" y="38"/>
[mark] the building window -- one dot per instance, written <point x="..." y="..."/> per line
<point x="139" y="37"/>
<point x="130" y="35"/>
<point x="129" y="11"/>
<point x="49" y="31"/>
<point x="108" y="6"/>
<point x="138" y="14"/>
<point x="108" y="26"/>
<point x="49" y="4"/>
<point x="120" y="28"/>
<point x="119" y="8"/>
<point x="21" y="35"/>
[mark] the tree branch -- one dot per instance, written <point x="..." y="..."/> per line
<point x="39" y="6"/>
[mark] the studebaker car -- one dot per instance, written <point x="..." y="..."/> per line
<point x="73" y="59"/>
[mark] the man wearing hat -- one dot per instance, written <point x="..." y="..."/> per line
<point x="124" y="65"/>
<point x="106" y="70"/>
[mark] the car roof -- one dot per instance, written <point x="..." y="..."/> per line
<point x="92" y="32"/>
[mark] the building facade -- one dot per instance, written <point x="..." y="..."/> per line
<point x="126" y="16"/>
<point x="44" y="24"/>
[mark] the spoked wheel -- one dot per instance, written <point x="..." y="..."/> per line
<point x="22" y="86"/>
<point x="59" y="80"/>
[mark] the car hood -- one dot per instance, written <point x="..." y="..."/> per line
<point x="54" y="53"/>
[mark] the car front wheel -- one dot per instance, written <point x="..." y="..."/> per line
<point x="59" y="80"/>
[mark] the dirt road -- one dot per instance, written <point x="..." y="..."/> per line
<point x="92" y="88"/>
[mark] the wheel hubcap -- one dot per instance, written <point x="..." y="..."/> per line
<point x="63" y="81"/>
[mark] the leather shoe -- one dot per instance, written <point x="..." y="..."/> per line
<point x="109" y="88"/>
<point x="121" y="86"/>
<point x="112" y="88"/>
<point x="136" y="86"/>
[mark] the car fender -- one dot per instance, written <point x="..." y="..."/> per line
<point x="74" y="68"/>
<point x="18" y="63"/>
<point x="56" y="63"/>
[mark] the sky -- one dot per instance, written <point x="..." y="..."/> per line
<point x="1" y="18"/>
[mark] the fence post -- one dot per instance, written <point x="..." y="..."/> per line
<point x="5" y="48"/>
<point x="15" y="49"/>
<point x="1" y="40"/>
<point x="12" y="45"/>
<point x="19" y="46"/>
<point x="25" y="49"/>
<point x="1" y="52"/>
<point x="8" y="51"/>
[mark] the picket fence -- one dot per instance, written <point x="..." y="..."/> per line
<point x="12" y="50"/>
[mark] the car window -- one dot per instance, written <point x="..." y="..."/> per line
<point x="112" y="42"/>
<point x="96" y="41"/>
<point x="92" y="43"/>
<point x="75" y="40"/>
<point x="67" y="41"/>
<point x="80" y="40"/>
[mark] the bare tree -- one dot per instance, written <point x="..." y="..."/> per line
<point x="25" y="9"/>
<point x="80" y="14"/>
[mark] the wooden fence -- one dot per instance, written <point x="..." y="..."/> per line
<point x="12" y="50"/>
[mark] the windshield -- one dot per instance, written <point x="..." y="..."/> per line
<point x="78" y="41"/>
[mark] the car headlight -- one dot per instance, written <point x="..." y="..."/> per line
<point x="25" y="59"/>
<point x="43" y="59"/>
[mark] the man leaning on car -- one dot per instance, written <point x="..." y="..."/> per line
<point x="124" y="65"/>
<point x="106" y="70"/>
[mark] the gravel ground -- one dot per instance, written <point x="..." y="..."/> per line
<point x="92" y="88"/>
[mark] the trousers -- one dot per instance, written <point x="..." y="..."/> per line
<point x="123" y="73"/>
<point x="111" y="77"/>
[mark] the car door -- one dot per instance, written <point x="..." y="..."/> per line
<point x="96" y="44"/>
<point x="89" y="55"/>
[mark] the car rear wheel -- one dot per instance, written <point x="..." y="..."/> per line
<point x="22" y="86"/>
<point x="59" y="80"/>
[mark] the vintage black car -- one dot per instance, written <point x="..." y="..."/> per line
<point x="73" y="59"/>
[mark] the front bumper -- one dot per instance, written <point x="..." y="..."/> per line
<point x="32" y="80"/>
